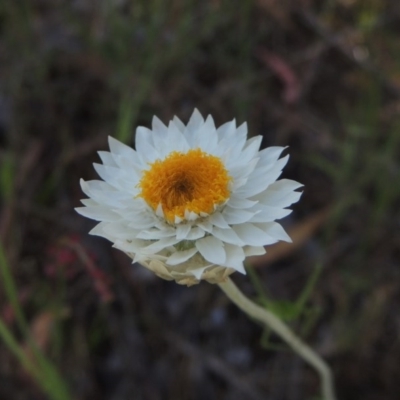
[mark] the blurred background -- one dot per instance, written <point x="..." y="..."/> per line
<point x="77" y="319"/>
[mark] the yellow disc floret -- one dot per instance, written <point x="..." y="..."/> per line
<point x="193" y="181"/>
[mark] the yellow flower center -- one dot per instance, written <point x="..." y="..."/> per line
<point x="193" y="181"/>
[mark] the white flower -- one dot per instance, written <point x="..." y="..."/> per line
<point x="192" y="201"/>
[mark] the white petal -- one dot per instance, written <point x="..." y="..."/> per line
<point x="269" y="155"/>
<point x="275" y="230"/>
<point x="241" y="170"/>
<point x="254" y="250"/>
<point x="212" y="249"/>
<point x="206" y="225"/>
<point x="115" y="176"/>
<point x="196" y="120"/>
<point x="155" y="234"/>
<point x="235" y="257"/>
<point x="237" y="216"/>
<point x="112" y="198"/>
<point x="278" y="199"/>
<point x="144" y="133"/>
<point x="119" y="148"/>
<point x="250" y="150"/>
<point x="192" y="216"/>
<point x="182" y="231"/>
<point x="237" y="144"/>
<point x="179" y="124"/>
<point x="253" y="235"/>
<point x="98" y="230"/>
<point x="236" y="202"/>
<point x="218" y="220"/>
<point x="176" y="137"/>
<point x="269" y="214"/>
<point x="131" y="165"/>
<point x="181" y="256"/>
<point x="256" y="185"/>
<point x="107" y="158"/>
<point x="145" y="222"/>
<point x="227" y="236"/>
<point x="195" y="233"/>
<point x="206" y="137"/>
<point x="119" y="230"/>
<point x="98" y="213"/>
<point x="227" y="130"/>
<point x="159" y="129"/>
<point x="89" y="202"/>
<point x="144" y="146"/>
<point x="285" y="185"/>
<point x="159" y="245"/>
<point x="160" y="211"/>
<point x="133" y="246"/>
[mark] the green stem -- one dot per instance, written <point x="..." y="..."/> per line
<point x="281" y="329"/>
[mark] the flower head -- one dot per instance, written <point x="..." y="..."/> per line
<point x="192" y="201"/>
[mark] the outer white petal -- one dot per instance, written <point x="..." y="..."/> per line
<point x="254" y="250"/>
<point x="181" y="256"/>
<point x="144" y="146"/>
<point x="256" y="185"/>
<point x="227" y="236"/>
<point x="107" y="158"/>
<point x="275" y="230"/>
<point x="236" y="216"/>
<point x="144" y="222"/>
<point x="89" y="202"/>
<point x="268" y="214"/>
<point x="227" y="131"/>
<point x="111" y="198"/>
<point x="212" y="249"/>
<point x="98" y="213"/>
<point x="119" y="148"/>
<point x="196" y="120"/>
<point x="237" y="144"/>
<point x="205" y="137"/>
<point x="237" y="202"/>
<point x="283" y="197"/>
<point x="250" y="151"/>
<point x="119" y="230"/>
<point x="115" y="176"/>
<point x="253" y="235"/>
<point x="155" y="234"/>
<point x="179" y="124"/>
<point x="133" y="246"/>
<point x="98" y="230"/>
<point x="159" y="129"/>
<point x="238" y="171"/>
<point x="176" y="137"/>
<point x="159" y="245"/>
<point x="234" y="258"/>
<point x="269" y="155"/>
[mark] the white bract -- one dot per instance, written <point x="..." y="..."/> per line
<point x="192" y="201"/>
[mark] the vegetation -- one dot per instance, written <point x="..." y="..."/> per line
<point x="77" y="319"/>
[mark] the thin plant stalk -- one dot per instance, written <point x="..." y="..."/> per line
<point x="282" y="330"/>
<point x="40" y="367"/>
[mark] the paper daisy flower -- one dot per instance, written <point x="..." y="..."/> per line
<point x="192" y="201"/>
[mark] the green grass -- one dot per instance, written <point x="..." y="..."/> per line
<point x="40" y="367"/>
<point x="113" y="68"/>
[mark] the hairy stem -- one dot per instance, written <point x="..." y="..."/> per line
<point x="282" y="330"/>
